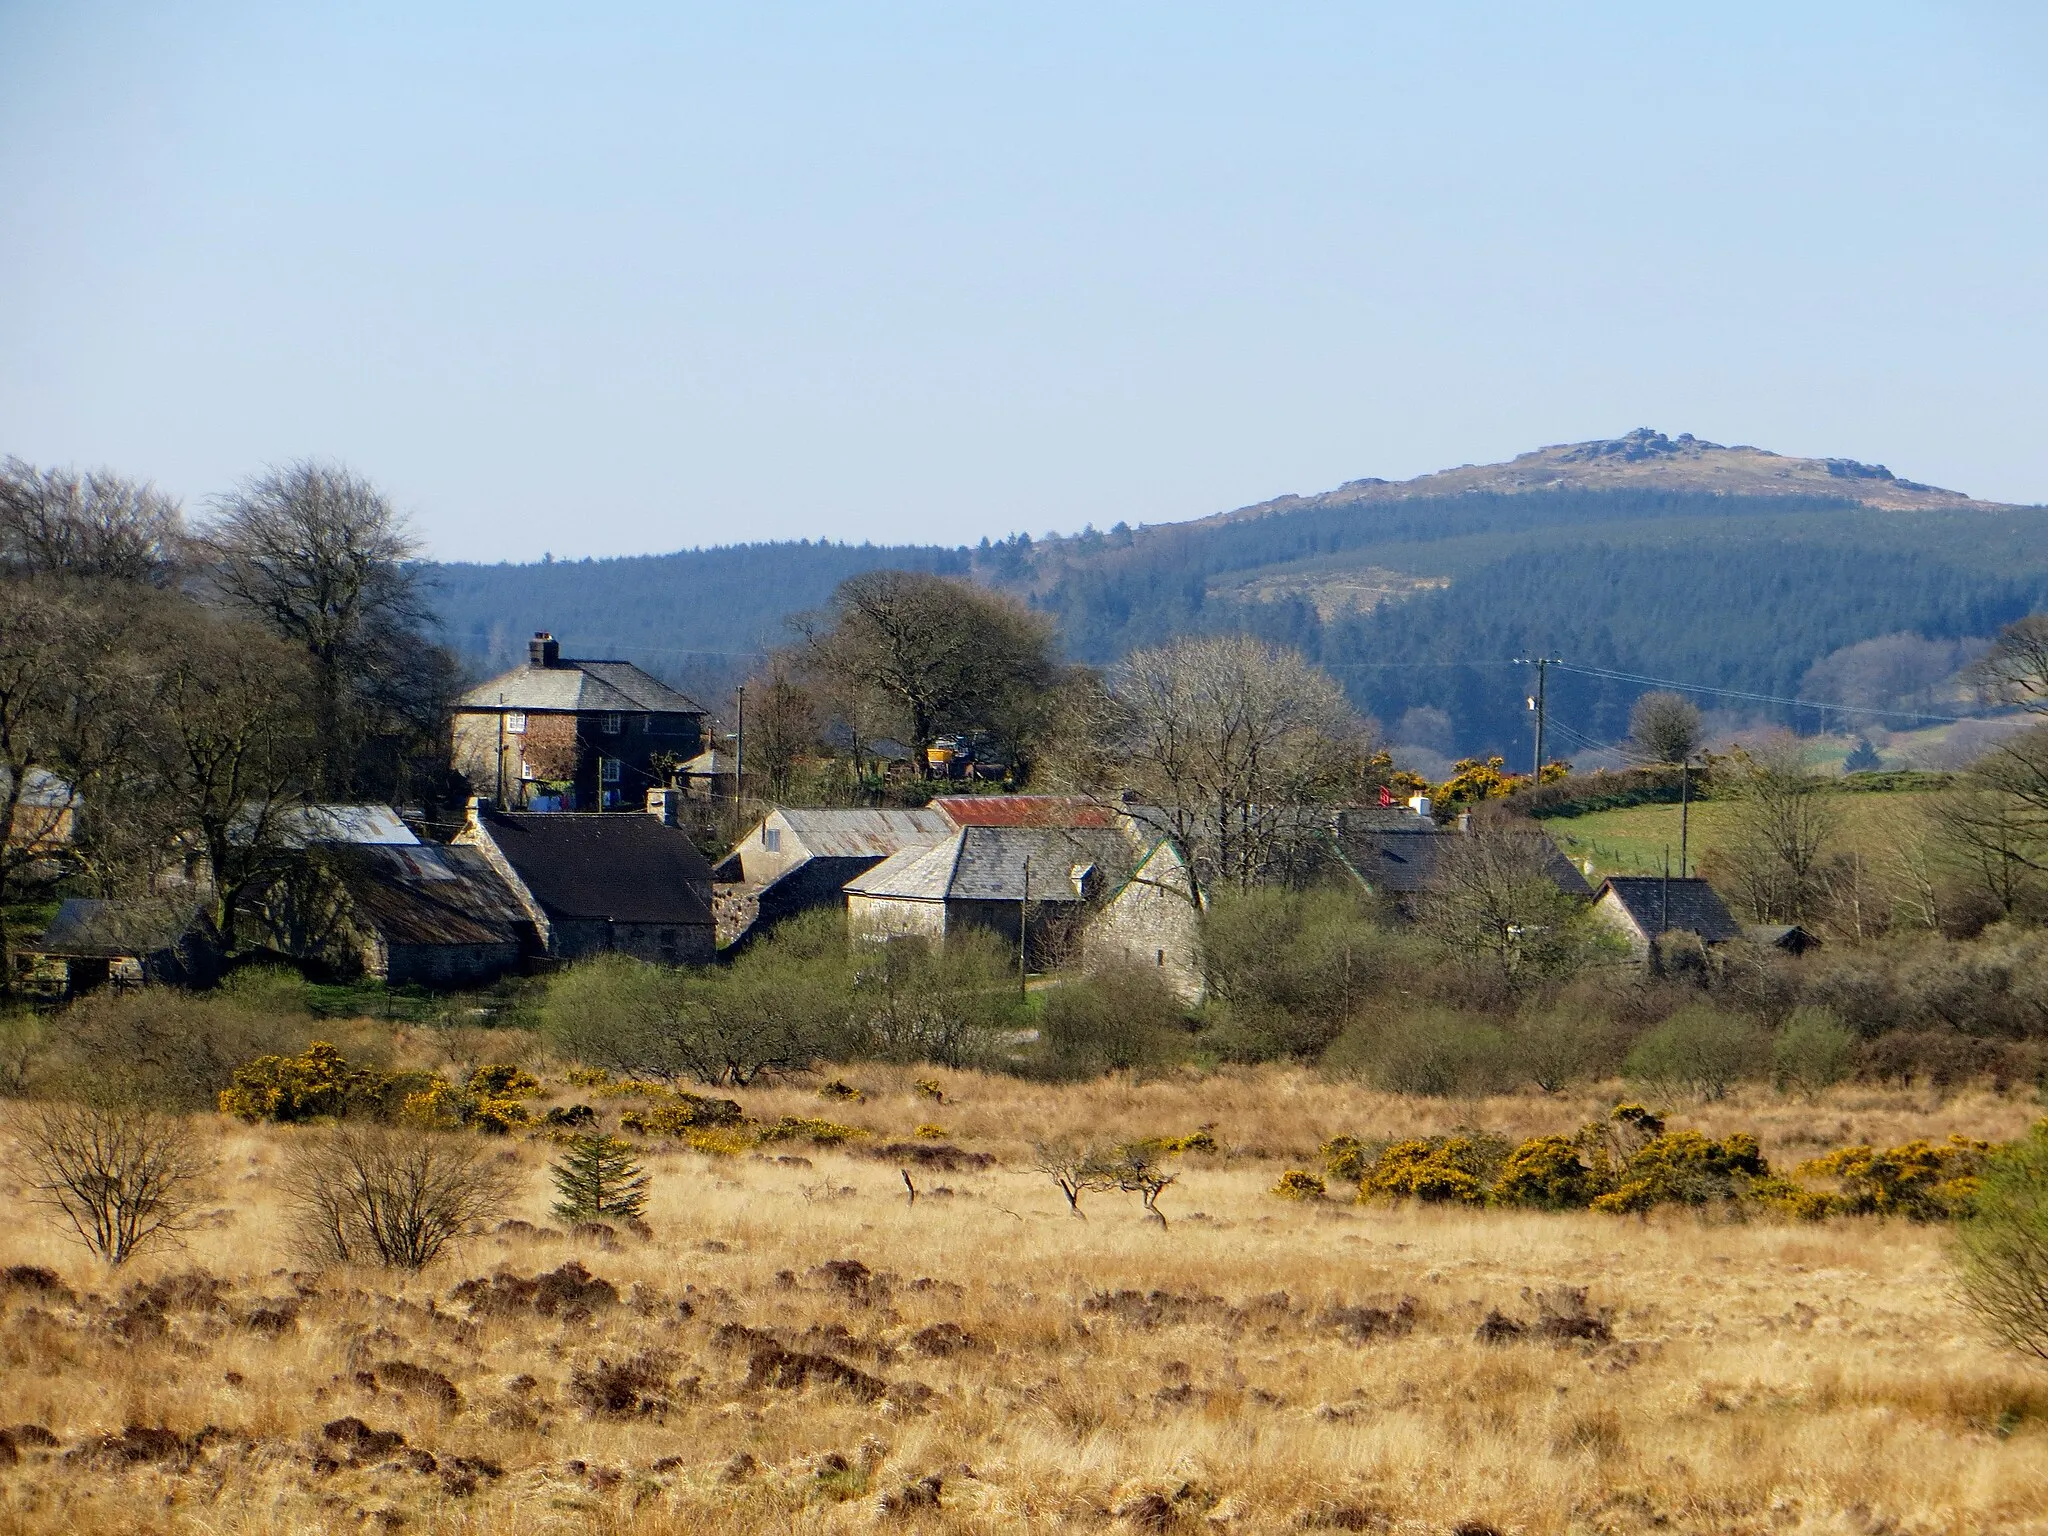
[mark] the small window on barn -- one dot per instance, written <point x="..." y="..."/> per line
<point x="613" y="724"/>
<point x="515" y="722"/>
<point x="771" y="839"/>
<point x="526" y="770"/>
<point x="608" y="767"/>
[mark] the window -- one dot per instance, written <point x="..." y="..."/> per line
<point x="613" y="724"/>
<point x="515" y="722"/>
<point x="608" y="768"/>
<point x="526" y="770"/>
<point x="771" y="839"/>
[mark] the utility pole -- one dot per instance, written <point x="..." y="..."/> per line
<point x="739" y="759"/>
<point x="1023" y="930"/>
<point x="1539" y="702"/>
<point x="501" y="752"/>
<point x="1684" y="811"/>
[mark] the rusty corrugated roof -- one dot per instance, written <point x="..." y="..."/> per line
<point x="1025" y="811"/>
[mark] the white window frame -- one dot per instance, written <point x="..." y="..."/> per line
<point x="515" y="722"/>
<point x="608" y="770"/>
<point x="614" y="723"/>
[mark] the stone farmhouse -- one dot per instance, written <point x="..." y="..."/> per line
<point x="573" y="735"/>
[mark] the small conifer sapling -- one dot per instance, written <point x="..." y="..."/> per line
<point x="599" y="1180"/>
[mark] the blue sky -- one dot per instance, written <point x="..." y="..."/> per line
<point x="615" y="278"/>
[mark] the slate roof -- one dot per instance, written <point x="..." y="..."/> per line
<point x="980" y="863"/>
<point x="1693" y="906"/>
<point x="1396" y="853"/>
<point x="626" y="868"/>
<point x="111" y="929"/>
<point x="607" y="686"/>
<point x="427" y="895"/>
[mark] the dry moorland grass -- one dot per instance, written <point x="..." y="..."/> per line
<point x="800" y="1348"/>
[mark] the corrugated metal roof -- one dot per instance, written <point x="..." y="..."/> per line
<point x="431" y="895"/>
<point x="42" y="790"/>
<point x="329" y="826"/>
<point x="1399" y="855"/>
<point x="1025" y="811"/>
<point x="579" y="685"/>
<point x="113" y="929"/>
<point x="874" y="834"/>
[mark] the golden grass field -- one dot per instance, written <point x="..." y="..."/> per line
<point x="1258" y="1365"/>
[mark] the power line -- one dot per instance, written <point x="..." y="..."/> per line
<point x="1758" y="698"/>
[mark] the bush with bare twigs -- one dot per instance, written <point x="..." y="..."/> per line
<point x="362" y="1194"/>
<point x="116" y="1179"/>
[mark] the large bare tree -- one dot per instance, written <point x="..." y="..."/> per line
<point x="57" y="522"/>
<point x="1786" y="820"/>
<point x="924" y="655"/>
<point x="321" y="558"/>
<point x="2015" y="669"/>
<point x="1233" y="743"/>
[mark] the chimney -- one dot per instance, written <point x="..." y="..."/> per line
<point x="661" y="805"/>
<point x="543" y="650"/>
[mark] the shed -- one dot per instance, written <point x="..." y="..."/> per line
<point x="431" y="916"/>
<point x="92" y="944"/>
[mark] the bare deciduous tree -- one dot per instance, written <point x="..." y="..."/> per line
<point x="232" y="751"/>
<point x="1492" y="893"/>
<point x="1075" y="1167"/>
<point x="2015" y="669"/>
<point x="319" y="557"/>
<point x="1235" y="742"/>
<point x="781" y="727"/>
<point x="362" y="1194"/>
<point x="1665" y="729"/>
<point x="56" y="522"/>
<point x="1786" y="821"/>
<point x="115" y="1178"/>
<point x="923" y="655"/>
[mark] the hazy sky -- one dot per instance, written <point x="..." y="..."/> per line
<point x="610" y="278"/>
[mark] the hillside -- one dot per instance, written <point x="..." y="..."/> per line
<point x="1668" y="557"/>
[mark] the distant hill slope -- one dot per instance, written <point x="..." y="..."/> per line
<point x="1667" y="557"/>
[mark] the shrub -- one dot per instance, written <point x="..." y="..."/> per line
<point x="1546" y="1173"/>
<point x="598" y="1180"/>
<point x="1812" y="1051"/>
<point x="115" y="1179"/>
<point x="1296" y="1184"/>
<point x="393" y="1197"/>
<point x="677" y="1114"/>
<point x="823" y="1133"/>
<point x="1432" y="1051"/>
<point x="1919" y="1180"/>
<point x="1699" y="1051"/>
<point x="1122" y="1018"/>
<point x="1436" y="1169"/>
<point x="2002" y="1246"/>
<point x="1346" y="1157"/>
<point x="318" y="1084"/>
<point x="1557" y="1047"/>
<point x="267" y="989"/>
<point x="168" y="1051"/>
<point x="1286" y="968"/>
<point x="1684" y="1168"/>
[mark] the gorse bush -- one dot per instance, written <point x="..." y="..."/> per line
<point x="1921" y="1181"/>
<point x="1631" y="1163"/>
<point x="318" y="1084"/>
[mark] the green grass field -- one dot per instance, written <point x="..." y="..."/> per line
<point x="1633" y="841"/>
